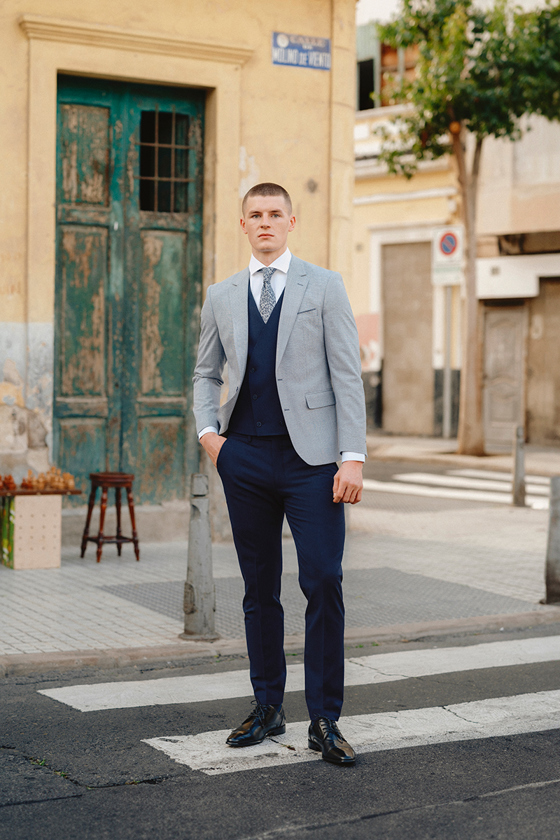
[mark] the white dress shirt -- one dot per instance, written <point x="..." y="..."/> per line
<point x="278" y="279"/>
<point x="278" y="283"/>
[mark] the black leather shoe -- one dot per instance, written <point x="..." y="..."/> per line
<point x="263" y="721"/>
<point x="325" y="737"/>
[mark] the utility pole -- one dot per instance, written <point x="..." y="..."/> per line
<point x="447" y="393"/>
<point x="199" y="602"/>
<point x="553" y="546"/>
<point x="519" y="467"/>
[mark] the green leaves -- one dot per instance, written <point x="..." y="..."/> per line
<point x="481" y="68"/>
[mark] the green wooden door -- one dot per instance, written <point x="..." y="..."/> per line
<point x="129" y="226"/>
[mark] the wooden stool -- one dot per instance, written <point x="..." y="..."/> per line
<point x="119" y="481"/>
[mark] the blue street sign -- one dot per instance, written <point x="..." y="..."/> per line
<point x="301" y="51"/>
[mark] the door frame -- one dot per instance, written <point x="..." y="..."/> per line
<point x="107" y="52"/>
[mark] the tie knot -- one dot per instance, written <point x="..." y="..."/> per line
<point x="267" y="273"/>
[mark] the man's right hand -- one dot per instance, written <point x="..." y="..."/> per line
<point x="212" y="443"/>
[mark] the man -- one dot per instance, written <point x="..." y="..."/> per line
<point x="295" y="407"/>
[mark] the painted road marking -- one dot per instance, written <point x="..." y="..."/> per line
<point x="493" y="718"/>
<point x="500" y="476"/>
<point x="363" y="670"/>
<point x="468" y="483"/>
<point x="494" y="498"/>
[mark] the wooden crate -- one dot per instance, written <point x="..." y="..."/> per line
<point x="30" y="529"/>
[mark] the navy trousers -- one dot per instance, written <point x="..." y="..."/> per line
<point x="265" y="479"/>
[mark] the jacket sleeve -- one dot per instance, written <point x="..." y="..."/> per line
<point x="210" y="364"/>
<point x="343" y="357"/>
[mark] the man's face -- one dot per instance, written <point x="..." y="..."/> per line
<point x="267" y="222"/>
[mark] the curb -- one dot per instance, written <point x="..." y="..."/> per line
<point x="185" y="652"/>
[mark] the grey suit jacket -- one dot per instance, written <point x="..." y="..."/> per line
<point x="318" y="368"/>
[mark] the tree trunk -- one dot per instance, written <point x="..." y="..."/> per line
<point x="471" y="431"/>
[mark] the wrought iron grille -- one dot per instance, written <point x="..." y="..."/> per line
<point x="164" y="161"/>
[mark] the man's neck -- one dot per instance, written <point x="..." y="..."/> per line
<point x="268" y="257"/>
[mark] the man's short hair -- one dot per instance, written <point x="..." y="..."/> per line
<point x="268" y="189"/>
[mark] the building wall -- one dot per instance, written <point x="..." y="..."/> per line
<point x="520" y="182"/>
<point x="518" y="214"/>
<point x="263" y="122"/>
<point x="519" y="219"/>
<point x="392" y="211"/>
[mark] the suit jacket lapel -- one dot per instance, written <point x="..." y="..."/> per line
<point x="240" y="318"/>
<point x="296" y="284"/>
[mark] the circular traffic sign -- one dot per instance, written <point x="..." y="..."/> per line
<point x="448" y="243"/>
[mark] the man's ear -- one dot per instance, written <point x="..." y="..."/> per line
<point x="292" y="223"/>
<point x="242" y="223"/>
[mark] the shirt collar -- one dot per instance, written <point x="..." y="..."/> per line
<point x="282" y="263"/>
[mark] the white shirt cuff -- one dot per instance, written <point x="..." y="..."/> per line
<point x="206" y="430"/>
<point x="352" y="456"/>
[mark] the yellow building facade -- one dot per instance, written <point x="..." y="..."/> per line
<point x="408" y="324"/>
<point x="407" y="279"/>
<point x="105" y="256"/>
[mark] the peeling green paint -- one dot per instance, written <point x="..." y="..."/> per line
<point x="128" y="292"/>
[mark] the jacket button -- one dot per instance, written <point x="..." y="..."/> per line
<point x="253" y="370"/>
<point x="255" y="397"/>
<point x="259" y="424"/>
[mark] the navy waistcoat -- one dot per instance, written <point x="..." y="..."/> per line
<point x="258" y="410"/>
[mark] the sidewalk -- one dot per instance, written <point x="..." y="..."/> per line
<point x="408" y="572"/>
<point x="539" y="460"/>
<point x="411" y="568"/>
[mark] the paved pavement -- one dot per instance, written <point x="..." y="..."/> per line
<point x="417" y="557"/>
<point x="542" y="460"/>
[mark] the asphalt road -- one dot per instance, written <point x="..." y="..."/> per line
<point x="66" y="773"/>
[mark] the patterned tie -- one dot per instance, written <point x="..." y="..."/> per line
<point x="268" y="298"/>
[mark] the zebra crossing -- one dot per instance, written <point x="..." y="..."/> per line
<point x="496" y="717"/>
<point x="477" y="719"/>
<point x="485" y="486"/>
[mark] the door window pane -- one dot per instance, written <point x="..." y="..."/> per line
<point x="147" y="194"/>
<point x="147" y="162"/>
<point x="164" y="197"/>
<point x="164" y="161"/>
<point x="148" y="127"/>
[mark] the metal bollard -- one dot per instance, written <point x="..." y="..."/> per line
<point x="199" y="602"/>
<point x="519" y="467"/>
<point x="553" y="545"/>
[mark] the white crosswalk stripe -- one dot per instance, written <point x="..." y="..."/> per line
<point x="466" y="485"/>
<point x="208" y="753"/>
<point x="469" y="483"/>
<point x="501" y="476"/>
<point x="496" y="717"/>
<point x="363" y="670"/>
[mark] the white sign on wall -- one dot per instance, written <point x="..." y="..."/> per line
<point x="447" y="255"/>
